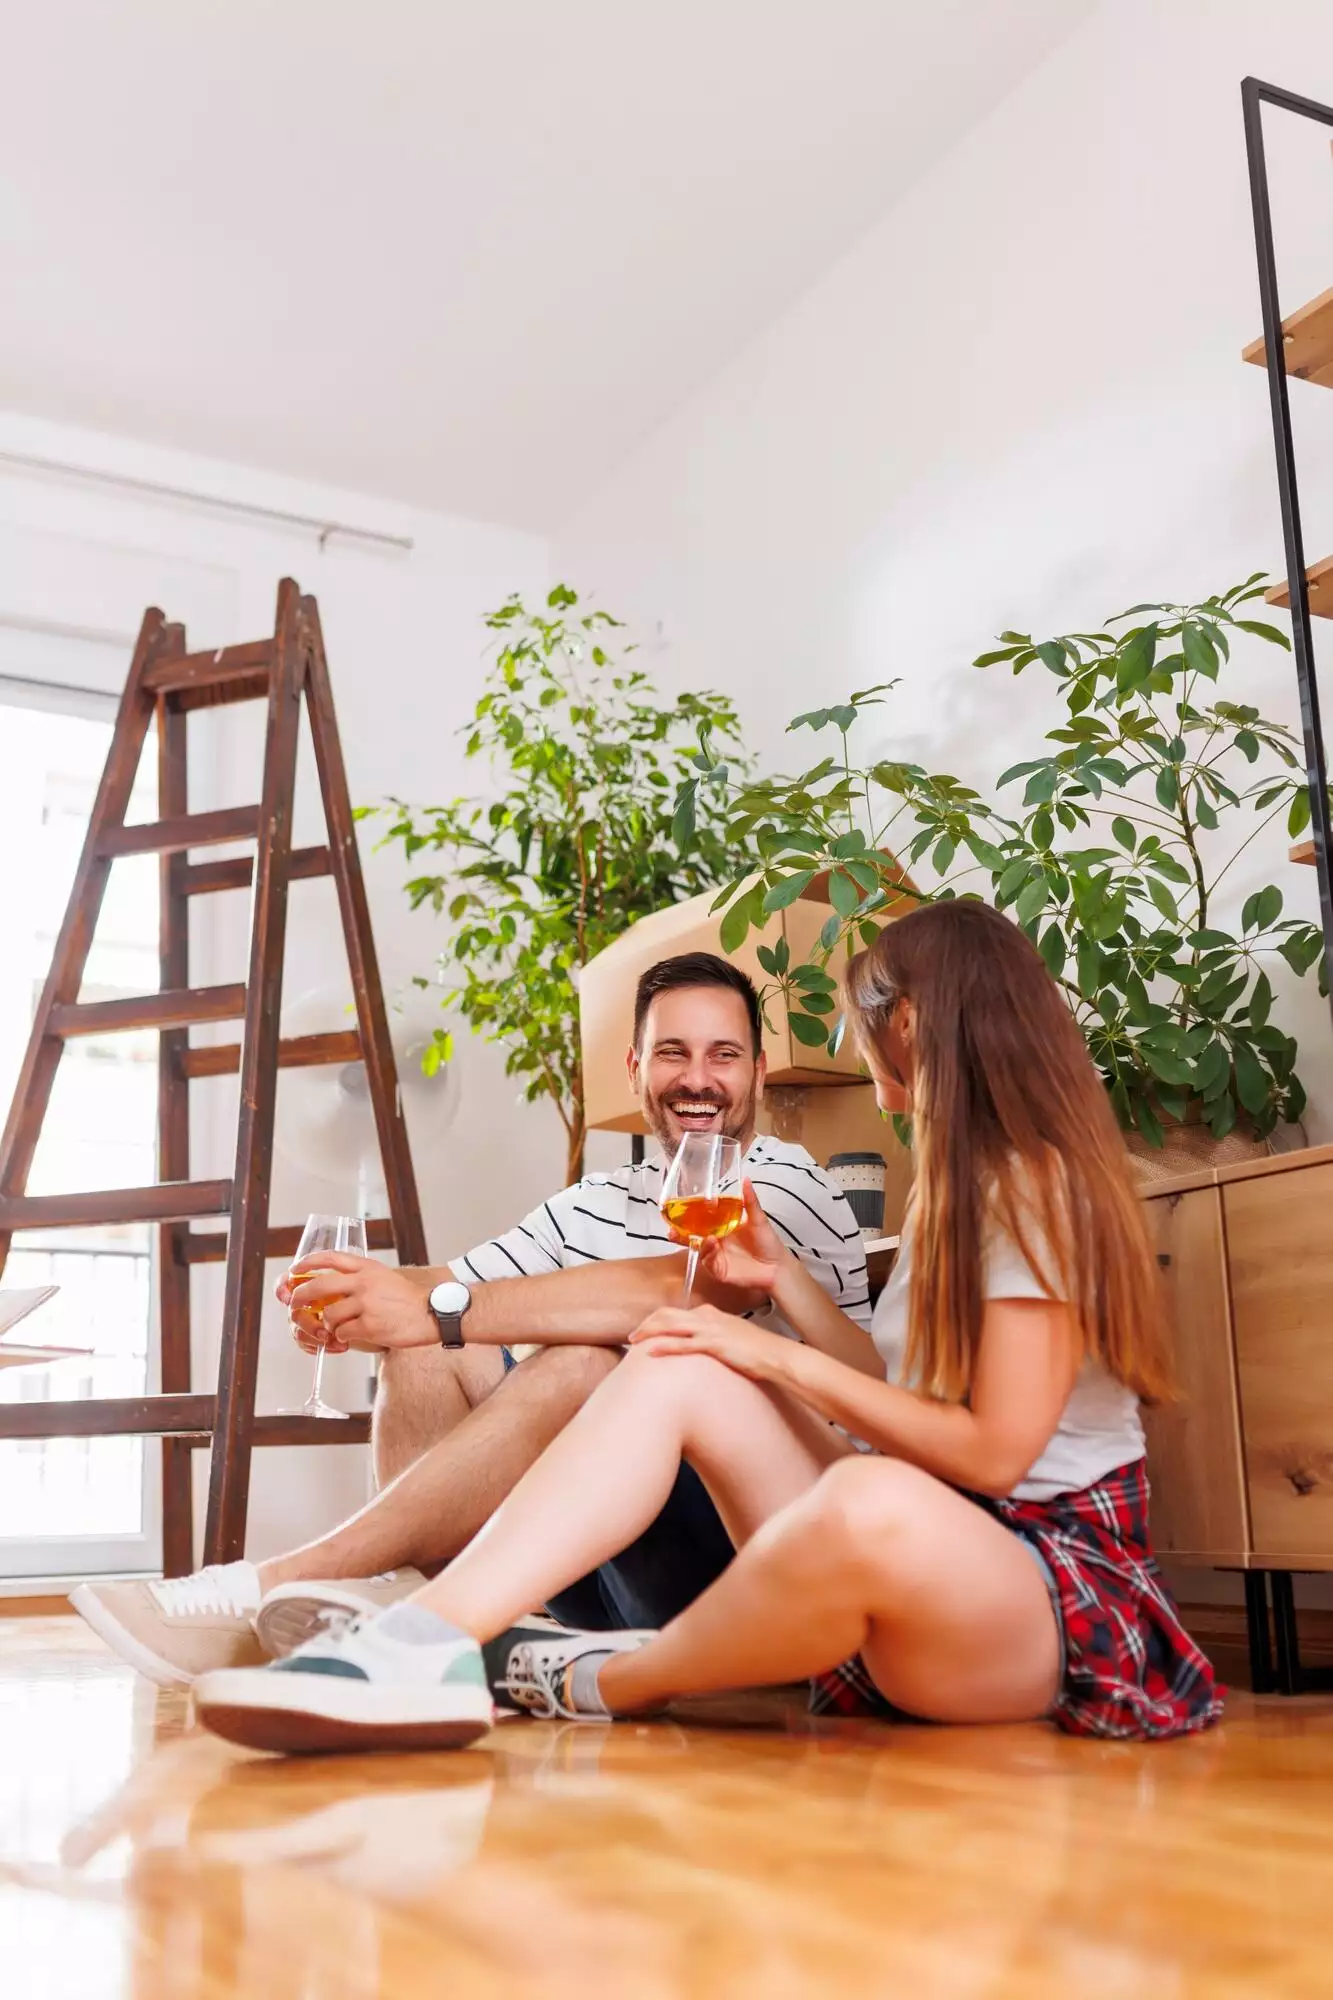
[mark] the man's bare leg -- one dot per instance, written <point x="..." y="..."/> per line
<point x="436" y="1505"/>
<point x="424" y="1393"/>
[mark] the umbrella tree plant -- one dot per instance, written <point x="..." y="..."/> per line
<point x="1114" y="856"/>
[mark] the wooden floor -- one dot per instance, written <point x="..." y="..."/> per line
<point x="141" y="1860"/>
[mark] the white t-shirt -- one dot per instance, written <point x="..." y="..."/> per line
<point x="617" y="1215"/>
<point x="1099" y="1427"/>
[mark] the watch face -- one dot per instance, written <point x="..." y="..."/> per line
<point x="450" y="1297"/>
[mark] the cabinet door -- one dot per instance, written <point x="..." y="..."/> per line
<point x="1280" y="1250"/>
<point x="1195" y="1461"/>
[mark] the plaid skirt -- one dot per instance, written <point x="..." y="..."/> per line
<point x="1131" y="1669"/>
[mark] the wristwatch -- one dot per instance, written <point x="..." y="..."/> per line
<point x="448" y="1303"/>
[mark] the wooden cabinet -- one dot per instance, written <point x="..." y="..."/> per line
<point x="1280" y="1250"/>
<point x="1199" y="1511"/>
<point x="1242" y="1465"/>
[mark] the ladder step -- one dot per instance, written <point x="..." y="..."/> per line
<point x="302" y="1052"/>
<point x="204" y="877"/>
<point x="174" y="836"/>
<point x="173" y="1009"/>
<point x="188" y="1417"/>
<point x="209" y="1247"/>
<point x="167" y="1201"/>
<point x="207" y="680"/>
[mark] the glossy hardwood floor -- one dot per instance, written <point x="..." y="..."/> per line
<point x="141" y="1860"/>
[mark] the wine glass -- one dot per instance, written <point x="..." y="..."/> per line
<point x="702" y="1197"/>
<point x="326" y="1232"/>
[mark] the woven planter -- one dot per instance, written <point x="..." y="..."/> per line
<point x="1187" y="1149"/>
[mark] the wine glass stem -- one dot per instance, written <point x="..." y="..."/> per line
<point x="692" y="1265"/>
<point x="317" y="1392"/>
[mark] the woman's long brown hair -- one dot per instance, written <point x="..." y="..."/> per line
<point x="1011" y="1128"/>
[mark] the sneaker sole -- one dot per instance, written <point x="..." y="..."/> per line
<point x="282" y="1623"/>
<point x="287" y="1713"/>
<point x="84" y="1599"/>
<point x="291" y="1613"/>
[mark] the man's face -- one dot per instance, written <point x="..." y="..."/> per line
<point x="696" y="1070"/>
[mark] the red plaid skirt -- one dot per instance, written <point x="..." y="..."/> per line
<point x="1131" y="1669"/>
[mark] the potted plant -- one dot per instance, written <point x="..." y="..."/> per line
<point x="1111" y="859"/>
<point x="571" y="845"/>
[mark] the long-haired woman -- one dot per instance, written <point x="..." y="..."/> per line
<point x="948" y="1519"/>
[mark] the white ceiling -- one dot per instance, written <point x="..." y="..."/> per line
<point x="461" y="255"/>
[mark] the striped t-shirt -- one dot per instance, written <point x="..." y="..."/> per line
<point x="604" y="1216"/>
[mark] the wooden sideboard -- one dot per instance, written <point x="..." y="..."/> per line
<point x="1242" y="1465"/>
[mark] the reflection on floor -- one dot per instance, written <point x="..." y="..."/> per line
<point x="140" y="1860"/>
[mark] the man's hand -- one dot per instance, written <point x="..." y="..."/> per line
<point x="363" y="1304"/>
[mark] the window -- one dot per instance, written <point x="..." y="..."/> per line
<point x="77" y="1505"/>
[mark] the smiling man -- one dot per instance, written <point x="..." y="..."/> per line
<point x="459" y="1418"/>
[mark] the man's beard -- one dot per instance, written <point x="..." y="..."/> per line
<point x="735" y="1122"/>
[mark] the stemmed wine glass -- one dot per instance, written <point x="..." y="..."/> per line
<point x="326" y="1232"/>
<point x="702" y="1194"/>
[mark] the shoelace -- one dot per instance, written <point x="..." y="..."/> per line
<point x="206" y="1591"/>
<point x="535" y="1679"/>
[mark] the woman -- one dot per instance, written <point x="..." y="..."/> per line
<point x="984" y="1560"/>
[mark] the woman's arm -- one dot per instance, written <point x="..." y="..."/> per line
<point x="1025" y="1371"/>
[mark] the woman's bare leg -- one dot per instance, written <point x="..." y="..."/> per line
<point x="947" y="1608"/>
<point x="608" y="1474"/>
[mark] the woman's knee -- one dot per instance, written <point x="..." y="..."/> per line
<point x="862" y="1505"/>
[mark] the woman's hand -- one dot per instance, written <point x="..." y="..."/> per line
<point x="750" y="1350"/>
<point x="751" y="1258"/>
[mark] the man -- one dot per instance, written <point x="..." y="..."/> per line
<point x="456" y="1426"/>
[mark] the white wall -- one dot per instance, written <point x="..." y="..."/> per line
<point x="404" y="641"/>
<point x="1018" y="401"/>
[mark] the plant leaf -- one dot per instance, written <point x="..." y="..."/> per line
<point x="1252" y="1085"/>
<point x="783" y="894"/>
<point x="843" y="893"/>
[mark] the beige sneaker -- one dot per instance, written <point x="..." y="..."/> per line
<point x="184" y="1626"/>
<point x="291" y="1613"/>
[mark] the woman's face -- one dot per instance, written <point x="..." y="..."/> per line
<point x="891" y="1059"/>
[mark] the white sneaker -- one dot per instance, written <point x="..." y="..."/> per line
<point x="291" y="1613"/>
<point x="537" y="1674"/>
<point x="403" y="1681"/>
<point x="181" y="1627"/>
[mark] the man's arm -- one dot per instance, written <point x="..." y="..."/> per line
<point x="369" y="1305"/>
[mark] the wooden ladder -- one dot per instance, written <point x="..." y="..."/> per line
<point x="165" y="684"/>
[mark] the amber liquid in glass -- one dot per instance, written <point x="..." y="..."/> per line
<point x="705" y="1217"/>
<point x="315" y="1312"/>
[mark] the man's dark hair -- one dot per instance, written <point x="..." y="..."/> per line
<point x="696" y="968"/>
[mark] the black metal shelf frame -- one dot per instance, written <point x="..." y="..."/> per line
<point x="1286" y="1671"/>
<point x="1254" y="95"/>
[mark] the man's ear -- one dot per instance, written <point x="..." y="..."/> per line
<point x="632" y="1067"/>
<point x="760" y="1076"/>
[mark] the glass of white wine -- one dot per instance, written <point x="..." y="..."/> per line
<point x="326" y="1232"/>
<point x="703" y="1196"/>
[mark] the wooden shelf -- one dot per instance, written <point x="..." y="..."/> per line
<point x="1319" y="587"/>
<point x="1308" y="338"/>
<point x="1303" y="852"/>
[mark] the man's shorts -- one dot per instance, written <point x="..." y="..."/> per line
<point x="654" y="1579"/>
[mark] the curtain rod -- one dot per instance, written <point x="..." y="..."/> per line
<point x="323" y="529"/>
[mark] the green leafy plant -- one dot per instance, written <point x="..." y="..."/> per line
<point x="1111" y="862"/>
<point x="574" y="844"/>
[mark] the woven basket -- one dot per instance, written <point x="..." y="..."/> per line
<point x="1188" y="1148"/>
